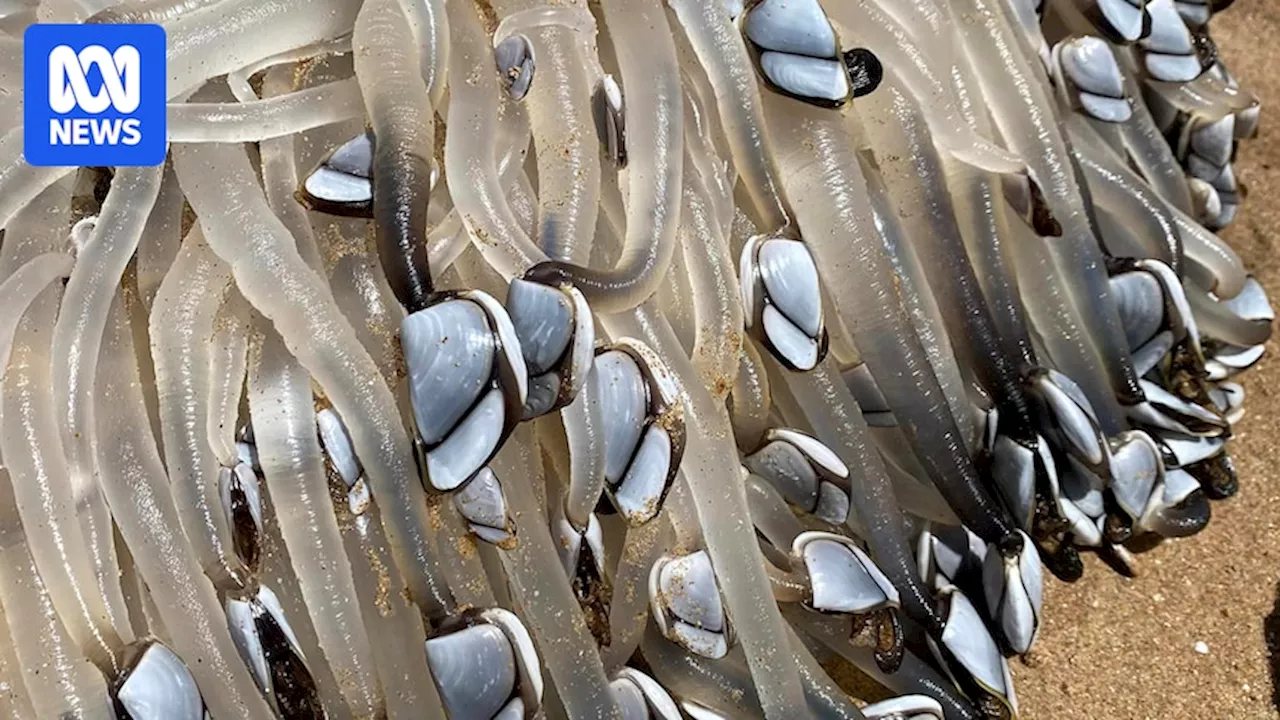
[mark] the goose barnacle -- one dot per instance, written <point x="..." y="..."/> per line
<point x="783" y="298"/>
<point x="685" y="600"/>
<point x="799" y="54"/>
<point x="156" y="685"/>
<point x="468" y="384"/>
<point x="644" y="431"/>
<point x="269" y="647"/>
<point x="485" y="666"/>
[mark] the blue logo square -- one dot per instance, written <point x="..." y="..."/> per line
<point x="94" y="95"/>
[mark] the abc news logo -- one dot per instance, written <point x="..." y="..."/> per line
<point x="121" y="89"/>
<point x="94" y="95"/>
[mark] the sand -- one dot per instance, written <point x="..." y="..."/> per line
<point x="1117" y="648"/>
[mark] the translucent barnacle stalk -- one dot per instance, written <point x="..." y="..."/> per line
<point x="134" y="482"/>
<point x="923" y="79"/>
<point x="268" y="118"/>
<point x="292" y="468"/>
<point x="58" y="678"/>
<point x="548" y="599"/>
<point x="314" y="330"/>
<point x="393" y="625"/>
<point x="398" y="100"/>
<point x="655" y="146"/>
<point x="77" y="338"/>
<point x="181" y="325"/>
<point x="43" y="490"/>
<point x="831" y="196"/>
<point x="559" y="105"/>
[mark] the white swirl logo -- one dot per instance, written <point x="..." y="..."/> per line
<point x="69" y="87"/>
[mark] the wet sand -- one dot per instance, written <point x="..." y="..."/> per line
<point x="1116" y="649"/>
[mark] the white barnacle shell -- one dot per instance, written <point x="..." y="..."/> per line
<point x="1121" y="21"/>
<point x="1194" y="12"/>
<point x="158" y="686"/>
<point x="1179" y="450"/>
<point x="782" y="295"/>
<point x="1155" y="313"/>
<point x="610" y="117"/>
<point x="698" y="711"/>
<point x="948" y="554"/>
<point x="1169" y="51"/>
<point x="1228" y="397"/>
<point x="842" y="578"/>
<point x="557" y="337"/>
<point x="484" y="506"/>
<point x="797" y="50"/>
<point x="1140" y="303"/>
<point x="1178" y="488"/>
<point x="1251" y="302"/>
<point x="336" y="442"/>
<point x="1013" y="470"/>
<point x="969" y="653"/>
<point x="644" y="432"/>
<point x="467" y="384"/>
<point x="905" y="707"/>
<point x="789" y="26"/>
<point x="1164" y="411"/>
<point x="241" y="494"/>
<point x="475" y="670"/>
<point x="1205" y="199"/>
<point x="806" y="472"/>
<point x="1091" y="68"/>
<point x="267" y="643"/>
<point x="685" y="599"/>
<point x="1212" y="141"/>
<point x="486" y="666"/>
<point x="640" y="697"/>
<point x="578" y="545"/>
<point x="581" y="551"/>
<point x="342" y="184"/>
<point x="342" y="456"/>
<point x="1229" y="360"/>
<point x="1013" y="587"/>
<point x="1070" y="417"/>
<point x="516" y="64"/>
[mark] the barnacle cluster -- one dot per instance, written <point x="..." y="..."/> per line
<point x="610" y="359"/>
